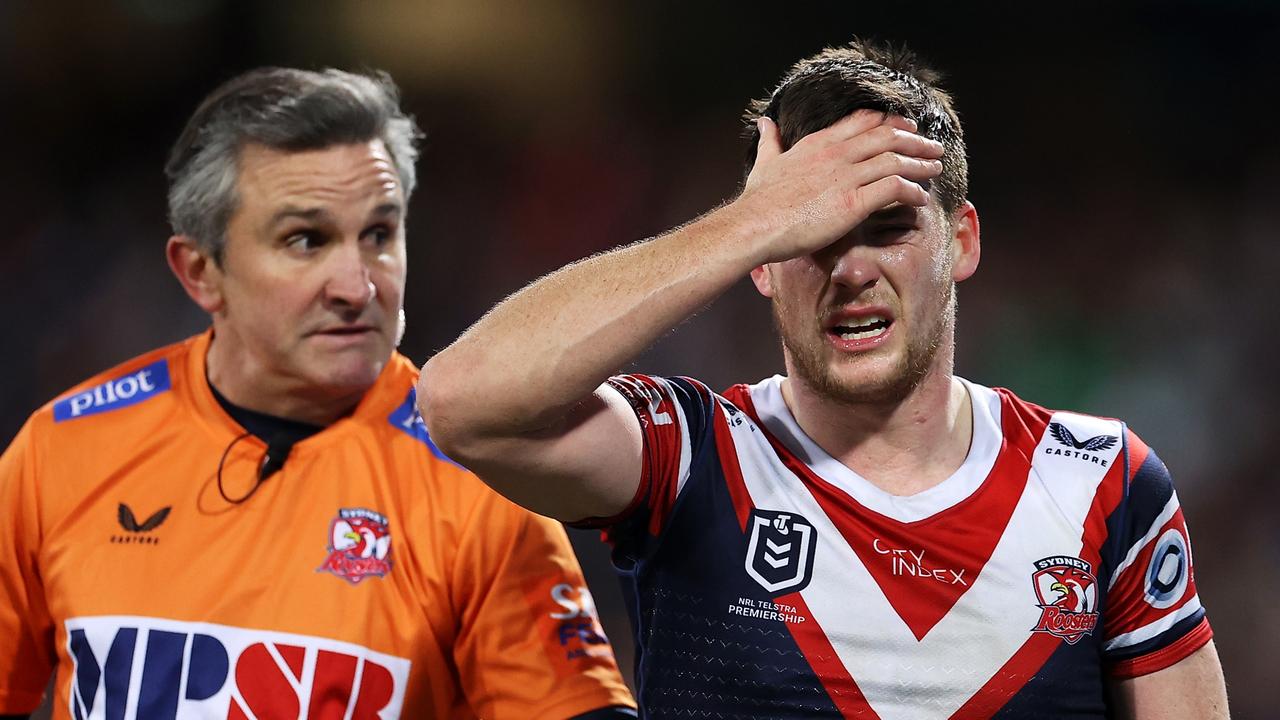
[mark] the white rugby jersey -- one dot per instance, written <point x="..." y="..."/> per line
<point x="767" y="579"/>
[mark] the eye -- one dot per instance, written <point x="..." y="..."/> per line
<point x="379" y="234"/>
<point x="886" y="234"/>
<point x="304" y="241"/>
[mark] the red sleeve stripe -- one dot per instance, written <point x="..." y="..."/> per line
<point x="1170" y="509"/>
<point x="666" y="441"/>
<point x="1152" y="630"/>
<point x="1164" y="657"/>
<point x="1131" y="607"/>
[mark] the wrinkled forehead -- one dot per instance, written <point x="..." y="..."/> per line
<point x="354" y="176"/>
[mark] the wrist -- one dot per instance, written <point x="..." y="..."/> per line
<point x="737" y="234"/>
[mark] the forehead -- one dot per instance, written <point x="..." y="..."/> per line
<point x="340" y="174"/>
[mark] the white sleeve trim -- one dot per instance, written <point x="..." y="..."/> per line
<point x="683" y="424"/>
<point x="1147" y="632"/>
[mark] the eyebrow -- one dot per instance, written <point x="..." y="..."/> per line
<point x="896" y="212"/>
<point x="290" y="212"/>
<point x="388" y="209"/>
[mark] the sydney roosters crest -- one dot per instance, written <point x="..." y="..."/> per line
<point x="1067" y="593"/>
<point x="359" y="545"/>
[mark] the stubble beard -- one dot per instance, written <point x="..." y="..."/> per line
<point x="811" y="364"/>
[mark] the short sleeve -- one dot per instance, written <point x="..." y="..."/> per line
<point x="26" y="653"/>
<point x="529" y="642"/>
<point x="675" y="416"/>
<point x="1154" y="617"/>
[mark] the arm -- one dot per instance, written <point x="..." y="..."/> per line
<point x="1159" y="646"/>
<point x="518" y="398"/>
<point x="1192" y="689"/>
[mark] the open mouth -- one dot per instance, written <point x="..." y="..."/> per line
<point x="864" y="328"/>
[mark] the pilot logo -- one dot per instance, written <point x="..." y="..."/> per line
<point x="780" y="551"/>
<point x="1067" y="594"/>
<point x="137" y="531"/>
<point x="359" y="545"/>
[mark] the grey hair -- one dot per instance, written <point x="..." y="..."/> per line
<point x="283" y="109"/>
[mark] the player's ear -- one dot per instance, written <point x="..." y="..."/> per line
<point x="198" y="272"/>
<point x="763" y="280"/>
<point x="966" y="243"/>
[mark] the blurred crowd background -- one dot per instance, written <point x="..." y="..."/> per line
<point x="1123" y="159"/>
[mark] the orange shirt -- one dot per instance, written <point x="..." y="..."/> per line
<point x="369" y="577"/>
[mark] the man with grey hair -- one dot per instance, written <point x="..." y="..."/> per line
<point x="254" y="523"/>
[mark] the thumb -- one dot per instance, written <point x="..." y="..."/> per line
<point x="770" y="144"/>
<point x="768" y="147"/>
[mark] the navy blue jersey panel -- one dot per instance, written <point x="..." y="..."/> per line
<point x="1070" y="682"/>
<point x="699" y="660"/>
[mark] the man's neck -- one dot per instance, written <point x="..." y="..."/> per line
<point x="244" y="383"/>
<point x="903" y="447"/>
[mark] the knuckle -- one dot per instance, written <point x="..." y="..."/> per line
<point x="895" y="136"/>
<point x="831" y="153"/>
<point x="851" y="200"/>
<point x="890" y="160"/>
<point x="806" y="141"/>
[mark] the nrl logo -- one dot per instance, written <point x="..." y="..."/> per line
<point x="780" y="552"/>
<point x="1067" y="595"/>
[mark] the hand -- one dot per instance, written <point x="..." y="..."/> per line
<point x="830" y="181"/>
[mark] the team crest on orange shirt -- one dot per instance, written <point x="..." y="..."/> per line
<point x="359" y="545"/>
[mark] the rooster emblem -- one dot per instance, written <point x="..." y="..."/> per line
<point x="359" y="545"/>
<point x="1067" y="595"/>
<point x="1070" y="590"/>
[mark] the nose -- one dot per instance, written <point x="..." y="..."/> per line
<point x="350" y="285"/>
<point x="855" y="270"/>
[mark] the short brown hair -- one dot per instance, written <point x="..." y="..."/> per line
<point x="820" y="90"/>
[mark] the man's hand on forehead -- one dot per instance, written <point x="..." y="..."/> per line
<point x="807" y="197"/>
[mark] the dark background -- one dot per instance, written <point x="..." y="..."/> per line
<point x="1123" y="162"/>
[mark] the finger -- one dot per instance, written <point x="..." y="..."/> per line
<point x="900" y="122"/>
<point x="885" y="192"/>
<point x="892" y="163"/>
<point x="863" y="121"/>
<point x="921" y="173"/>
<point x="887" y="138"/>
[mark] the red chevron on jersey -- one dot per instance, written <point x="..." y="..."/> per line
<point x="923" y="585"/>
<point x="985" y="624"/>
<point x="767" y="571"/>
